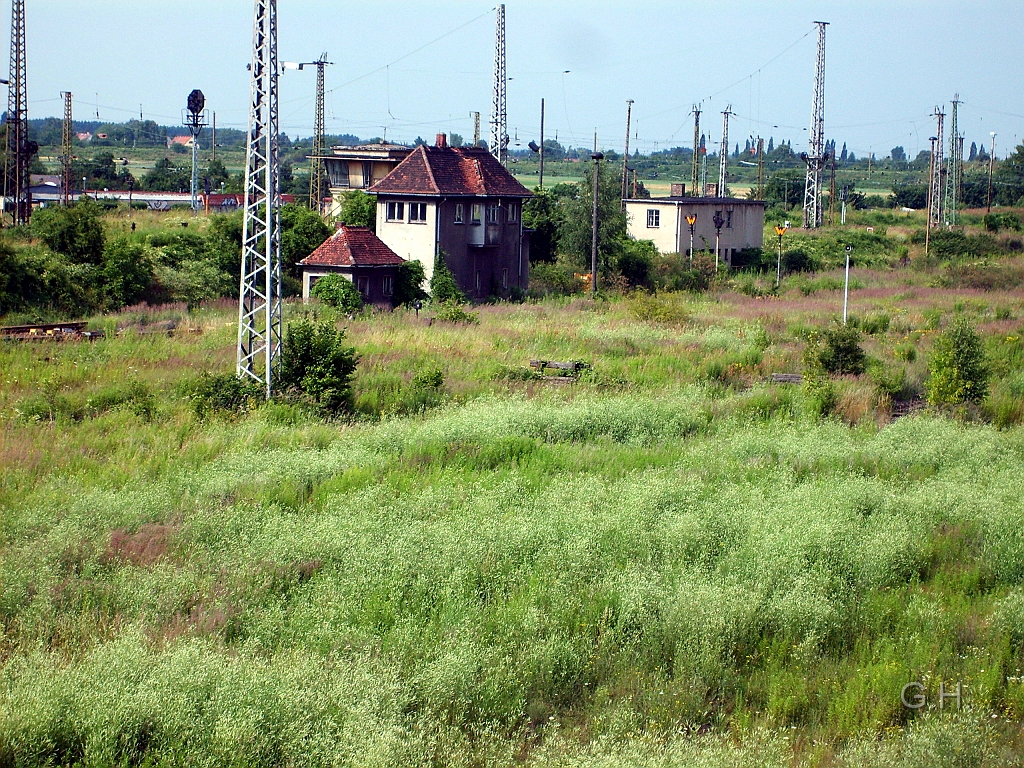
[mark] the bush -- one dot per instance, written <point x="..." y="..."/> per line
<point x="959" y="373"/>
<point x="797" y="260"/>
<point x="443" y="288"/>
<point x="836" y="351"/>
<point x="338" y="291"/>
<point x="127" y="273"/>
<point x="636" y="260"/>
<point x="317" y="366"/>
<point x="676" y="272"/>
<point x="75" y="232"/>
<point x="224" y="392"/>
<point x="409" y="281"/>
<point x="452" y="312"/>
<point x="996" y="221"/>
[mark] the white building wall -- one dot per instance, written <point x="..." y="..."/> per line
<point x="412" y="241"/>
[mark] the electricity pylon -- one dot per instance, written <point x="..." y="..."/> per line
<point x="19" y="149"/>
<point x="259" y="299"/>
<point x="724" y="159"/>
<point x="935" y="207"/>
<point x="954" y="171"/>
<point x="695" y="171"/>
<point x="816" y="157"/>
<point x="65" y="150"/>
<point x="499" y="106"/>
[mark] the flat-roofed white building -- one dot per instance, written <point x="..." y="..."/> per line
<point x="663" y="220"/>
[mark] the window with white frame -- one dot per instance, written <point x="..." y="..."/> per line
<point x="513" y="213"/>
<point x="492" y="214"/>
<point x="418" y="213"/>
<point x="395" y="211"/>
<point x="389" y="285"/>
<point x="653" y="217"/>
<point x="476" y="211"/>
<point x="459" y="213"/>
<point x="363" y="286"/>
<point x="728" y="219"/>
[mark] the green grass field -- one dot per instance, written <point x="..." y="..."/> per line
<point x="671" y="562"/>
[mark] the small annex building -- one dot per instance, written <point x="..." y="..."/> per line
<point x="358" y="254"/>
<point x="663" y="220"/>
<point x="459" y="201"/>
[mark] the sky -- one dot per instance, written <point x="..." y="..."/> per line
<point x="404" y="69"/>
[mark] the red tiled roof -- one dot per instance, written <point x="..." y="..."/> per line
<point x="353" y="247"/>
<point x="451" y="171"/>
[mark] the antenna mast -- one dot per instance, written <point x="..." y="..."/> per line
<point x="19" y="150"/>
<point x="816" y="157"/>
<point x="935" y="217"/>
<point x="695" y="175"/>
<point x="625" y="156"/>
<point x="499" y="111"/>
<point x="65" y="151"/>
<point x="724" y="159"/>
<point x="954" y="172"/>
<point x="259" y="300"/>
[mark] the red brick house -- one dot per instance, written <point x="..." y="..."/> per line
<point x="464" y="203"/>
<point x="359" y="255"/>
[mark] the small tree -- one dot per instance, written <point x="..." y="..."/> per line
<point x="338" y="291"/>
<point x="409" y="281"/>
<point x="75" y="232"/>
<point x="127" y="272"/>
<point x="358" y="209"/>
<point x="316" y="364"/>
<point x="959" y="373"/>
<point x="443" y="288"/>
<point x="836" y="351"/>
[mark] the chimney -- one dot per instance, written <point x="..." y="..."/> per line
<point x="678" y="190"/>
<point x="442" y="141"/>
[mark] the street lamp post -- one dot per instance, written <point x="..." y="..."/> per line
<point x="85" y="187"/>
<point x="846" y="287"/>
<point x="597" y="157"/>
<point x="780" y="231"/>
<point x="691" y="219"/>
<point x="718" y="222"/>
<point x="991" y="163"/>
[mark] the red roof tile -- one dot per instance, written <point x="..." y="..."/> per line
<point x="353" y="247"/>
<point x="450" y="171"/>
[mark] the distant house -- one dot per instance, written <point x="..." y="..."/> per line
<point x="84" y="137"/>
<point x="463" y="203"/>
<point x="184" y="141"/>
<point x="359" y="255"/>
<point x="663" y="221"/>
<point x="359" y="167"/>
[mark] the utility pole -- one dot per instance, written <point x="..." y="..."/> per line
<point x="723" y="160"/>
<point x="542" y="143"/>
<point x="499" y="106"/>
<point x="954" y="166"/>
<point x="703" y="168"/>
<point x="931" y="174"/>
<point x="214" y="159"/>
<point x="19" y="149"/>
<point x="259" y="301"/>
<point x="832" y="195"/>
<point x="935" y="217"/>
<point x="625" y="154"/>
<point x="815" y="156"/>
<point x="695" y="174"/>
<point x="65" y="151"/>
<point x="597" y="157"/>
<point x="991" y="166"/>
<point x="476" y="128"/>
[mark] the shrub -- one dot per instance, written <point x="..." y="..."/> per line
<point x="409" y="281"/>
<point x="429" y="378"/>
<point x="317" y="366"/>
<point x="75" y="232"/>
<point x="836" y="351"/>
<point x="959" y="373"/>
<point x="659" y="308"/>
<point x="127" y="273"/>
<point x="797" y="260"/>
<point x="338" y="291"/>
<point x="224" y="392"/>
<point x="636" y="260"/>
<point x="452" y="312"/>
<point x="996" y="221"/>
<point x="443" y="288"/>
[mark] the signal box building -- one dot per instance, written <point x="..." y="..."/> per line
<point x="663" y="221"/>
<point x="463" y="203"/>
<point x="359" y="168"/>
<point x="359" y="255"/>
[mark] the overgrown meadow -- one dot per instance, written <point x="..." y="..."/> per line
<point x="670" y="562"/>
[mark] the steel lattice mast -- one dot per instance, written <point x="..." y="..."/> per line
<point x="955" y="166"/>
<point x="499" y="108"/>
<point x="65" y="150"/>
<point x="316" y="166"/>
<point x="16" y="187"/>
<point x="625" y="156"/>
<point x="723" y="161"/>
<point x="935" y="207"/>
<point x="259" y="300"/>
<point x="816" y="157"/>
<point x="695" y="173"/>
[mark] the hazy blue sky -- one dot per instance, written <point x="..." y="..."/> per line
<point x="889" y="63"/>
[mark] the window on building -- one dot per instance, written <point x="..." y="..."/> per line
<point x="513" y="213"/>
<point x="389" y="286"/>
<point x="396" y="211"/>
<point x="367" y="174"/>
<point x="478" y="282"/>
<point x="653" y="217"/>
<point x="728" y="219"/>
<point x="417" y="212"/>
<point x="363" y="285"/>
<point x="475" y="213"/>
<point x="504" y="278"/>
<point x="458" y="213"/>
<point x="492" y="214"/>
